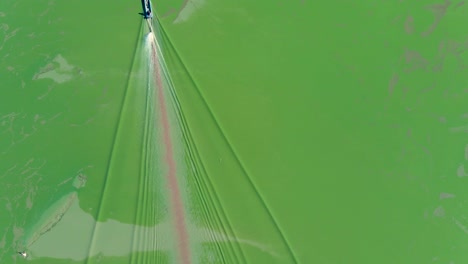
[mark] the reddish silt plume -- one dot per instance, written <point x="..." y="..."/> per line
<point x="176" y="204"/>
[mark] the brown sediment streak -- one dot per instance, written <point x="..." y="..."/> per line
<point x="177" y="207"/>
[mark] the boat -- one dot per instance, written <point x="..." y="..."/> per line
<point x="147" y="10"/>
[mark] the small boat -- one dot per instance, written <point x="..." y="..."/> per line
<point x="147" y="11"/>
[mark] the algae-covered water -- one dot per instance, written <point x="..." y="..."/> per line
<point x="236" y="132"/>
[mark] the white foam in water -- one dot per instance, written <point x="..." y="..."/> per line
<point x="150" y="37"/>
<point x="149" y="41"/>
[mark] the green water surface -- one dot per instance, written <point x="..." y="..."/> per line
<point x="304" y="131"/>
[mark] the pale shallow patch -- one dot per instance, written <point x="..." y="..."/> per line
<point x="59" y="70"/>
<point x="80" y="181"/>
<point x="190" y="6"/>
<point x="461" y="171"/>
<point x="50" y="218"/>
<point x="53" y="215"/>
<point x="70" y="237"/>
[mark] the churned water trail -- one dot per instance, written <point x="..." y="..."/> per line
<point x="175" y="196"/>
<point x="225" y="138"/>
<point x="111" y="154"/>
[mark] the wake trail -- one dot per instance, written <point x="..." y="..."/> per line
<point x="175" y="195"/>
<point x="234" y="152"/>
<point x="111" y="158"/>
